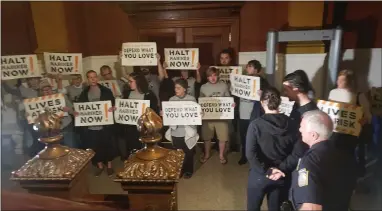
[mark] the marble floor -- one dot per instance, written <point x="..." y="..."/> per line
<point x="212" y="187"/>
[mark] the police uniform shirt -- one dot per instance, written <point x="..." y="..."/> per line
<point x="323" y="176"/>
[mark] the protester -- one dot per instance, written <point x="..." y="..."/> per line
<point x="107" y="74"/>
<point x="97" y="137"/>
<point x="184" y="136"/>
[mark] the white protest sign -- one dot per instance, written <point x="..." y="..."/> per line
<point x="139" y="54"/>
<point x="181" y="58"/>
<point x="345" y="116"/>
<point x="113" y="86"/>
<point x="225" y="71"/>
<point x="129" y="111"/>
<point x="286" y="106"/>
<point x="64" y="63"/>
<point x="217" y="107"/>
<point x="376" y="101"/>
<point x="93" y="113"/>
<point x="37" y="105"/>
<point x="21" y="66"/>
<point x="181" y="113"/>
<point x="246" y="87"/>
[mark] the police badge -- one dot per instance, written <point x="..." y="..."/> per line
<point x="303" y="175"/>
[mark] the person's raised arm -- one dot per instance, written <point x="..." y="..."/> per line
<point x="161" y="70"/>
<point x="198" y="77"/>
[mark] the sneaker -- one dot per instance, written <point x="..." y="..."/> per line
<point x="242" y="161"/>
<point x="109" y="172"/>
<point x="187" y="175"/>
<point x="98" y="172"/>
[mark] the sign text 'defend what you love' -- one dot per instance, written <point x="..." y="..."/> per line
<point x="139" y="54"/>
<point x="181" y="113"/>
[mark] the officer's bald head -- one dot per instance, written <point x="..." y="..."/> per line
<point x="316" y="126"/>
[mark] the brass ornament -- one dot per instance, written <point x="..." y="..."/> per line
<point x="152" y="163"/>
<point x="54" y="162"/>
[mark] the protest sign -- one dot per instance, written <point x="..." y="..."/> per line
<point x="181" y="58"/>
<point x="181" y="113"/>
<point x="246" y="87"/>
<point x="217" y="107"/>
<point x="113" y="86"/>
<point x="129" y="111"/>
<point x="93" y="113"/>
<point x="376" y="101"/>
<point x="64" y="63"/>
<point x="21" y="66"/>
<point x="286" y="106"/>
<point x="139" y="54"/>
<point x="345" y="116"/>
<point x="225" y="71"/>
<point x="37" y="105"/>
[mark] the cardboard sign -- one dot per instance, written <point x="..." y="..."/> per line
<point x="21" y="66"/>
<point x="225" y="71"/>
<point x="64" y="63"/>
<point x="181" y="58"/>
<point x="246" y="87"/>
<point x="37" y="105"/>
<point x="139" y="54"/>
<point x="217" y="107"/>
<point x="181" y="113"/>
<point x="113" y="86"/>
<point x="129" y="111"/>
<point x="286" y="106"/>
<point x="376" y="101"/>
<point x="345" y="116"/>
<point x="93" y="113"/>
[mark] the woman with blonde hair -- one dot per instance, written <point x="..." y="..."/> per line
<point x="346" y="93"/>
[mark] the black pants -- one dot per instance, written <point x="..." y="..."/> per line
<point x="100" y="142"/>
<point x="36" y="146"/>
<point x="259" y="186"/>
<point x="243" y="126"/>
<point x="131" y="139"/>
<point x="188" y="163"/>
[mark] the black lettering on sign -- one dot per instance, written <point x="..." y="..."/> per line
<point x="221" y="110"/>
<point x="178" y="52"/>
<point x="188" y="115"/>
<point x="205" y="110"/>
<point x="172" y="115"/>
<point x="128" y="104"/>
<point x="179" y="64"/>
<point x="147" y="50"/>
<point x="241" y="92"/>
<point x="127" y="118"/>
<point x="60" y="58"/>
<point x="90" y="119"/>
<point x="345" y="123"/>
<point x="17" y="60"/>
<point x="21" y="72"/>
<point x="132" y="50"/>
<point x="146" y="56"/>
<point x="93" y="107"/>
<point x="61" y="69"/>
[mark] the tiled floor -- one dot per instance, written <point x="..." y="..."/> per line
<point x="213" y="186"/>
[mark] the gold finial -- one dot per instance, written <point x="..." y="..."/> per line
<point x="149" y="126"/>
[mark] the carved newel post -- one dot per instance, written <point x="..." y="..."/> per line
<point x="57" y="170"/>
<point x="150" y="176"/>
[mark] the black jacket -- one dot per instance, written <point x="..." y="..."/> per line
<point x="148" y="96"/>
<point x="269" y="142"/>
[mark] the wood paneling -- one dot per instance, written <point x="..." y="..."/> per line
<point x="256" y="19"/>
<point x="363" y="25"/>
<point x="17" y="29"/>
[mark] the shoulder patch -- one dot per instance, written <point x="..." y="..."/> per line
<point x="303" y="176"/>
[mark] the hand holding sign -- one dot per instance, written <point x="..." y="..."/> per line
<point x="64" y="63"/>
<point x="20" y="66"/>
<point x="181" y="113"/>
<point x="93" y="113"/>
<point x="139" y="54"/>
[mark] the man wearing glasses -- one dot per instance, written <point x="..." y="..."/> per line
<point x="107" y="74"/>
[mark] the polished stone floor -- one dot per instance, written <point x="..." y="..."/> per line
<point x="212" y="187"/>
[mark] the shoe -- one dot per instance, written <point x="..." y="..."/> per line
<point x="98" y="172"/>
<point x="109" y="172"/>
<point x="187" y="175"/>
<point x="242" y="161"/>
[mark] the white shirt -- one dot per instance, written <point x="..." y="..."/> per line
<point x="345" y="96"/>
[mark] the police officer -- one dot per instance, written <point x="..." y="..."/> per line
<point x="324" y="177"/>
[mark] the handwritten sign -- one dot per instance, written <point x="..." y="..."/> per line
<point x="181" y="113"/>
<point x="217" y="107"/>
<point x="345" y="116"/>
<point x="113" y="86"/>
<point x="64" y="63"/>
<point x="225" y="71"/>
<point x="376" y="101"/>
<point x="246" y="87"/>
<point x="181" y="58"/>
<point x="93" y="113"/>
<point x="139" y="54"/>
<point x="129" y="111"/>
<point x="37" y="105"/>
<point x="21" y="66"/>
<point x="286" y="106"/>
